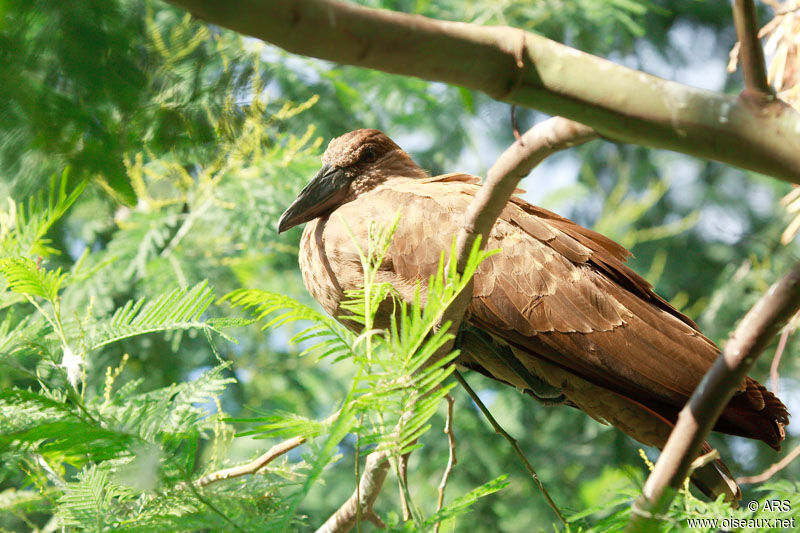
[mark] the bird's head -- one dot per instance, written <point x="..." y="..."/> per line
<point x="352" y="165"/>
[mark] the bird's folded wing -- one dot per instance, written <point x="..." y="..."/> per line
<point x="558" y="291"/>
<point x="554" y="292"/>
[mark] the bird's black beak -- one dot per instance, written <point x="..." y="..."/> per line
<point x="322" y="194"/>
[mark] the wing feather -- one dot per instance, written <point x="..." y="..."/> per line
<point x="561" y="294"/>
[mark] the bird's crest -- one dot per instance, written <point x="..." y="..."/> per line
<point x="358" y="145"/>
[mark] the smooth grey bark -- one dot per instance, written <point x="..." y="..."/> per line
<point x="753" y="131"/>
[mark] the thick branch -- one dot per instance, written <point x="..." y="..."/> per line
<point x="528" y="70"/>
<point x="363" y="498"/>
<point x="542" y="140"/>
<point x="539" y="142"/>
<point x="253" y="466"/>
<point x="751" y="55"/>
<point x="758" y="327"/>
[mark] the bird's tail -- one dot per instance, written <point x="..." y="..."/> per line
<point x="714" y="478"/>
<point x="641" y="422"/>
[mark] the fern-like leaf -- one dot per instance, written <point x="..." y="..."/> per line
<point x="332" y="339"/>
<point x="16" y="501"/>
<point x="461" y="505"/>
<point x="178" y="309"/>
<point x="36" y="217"/>
<point x="24" y="276"/>
<point x="14" y="336"/>
<point x="88" y="502"/>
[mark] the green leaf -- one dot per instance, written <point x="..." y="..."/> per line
<point x="461" y="504"/>
<point x="175" y="310"/>
<point x="14" y="501"/>
<point x="89" y="502"/>
<point x="24" y="276"/>
<point x="37" y="216"/>
<point x="333" y="338"/>
<point x="467" y="99"/>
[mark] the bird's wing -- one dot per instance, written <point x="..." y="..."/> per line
<point x="561" y="292"/>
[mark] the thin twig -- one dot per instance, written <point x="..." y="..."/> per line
<point x="511" y="440"/>
<point x="211" y="505"/>
<point x="253" y="466"/>
<point x="194" y="489"/>
<point x="410" y="511"/>
<point x="514" y="125"/>
<point x="772" y="470"/>
<point x="451" y="459"/>
<point x="756" y="330"/>
<point x="360" y="504"/>
<point x="357" y="467"/>
<point x="754" y="68"/>
<point x="786" y="11"/>
<point x="774" y="375"/>
<point x="402" y="483"/>
<point x="363" y="498"/>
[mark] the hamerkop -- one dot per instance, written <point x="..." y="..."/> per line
<point x="558" y="298"/>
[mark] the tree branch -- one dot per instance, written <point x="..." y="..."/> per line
<point x="773" y="469"/>
<point x="402" y="485"/>
<point x="363" y="498"/>
<point x="758" y="327"/>
<point x="774" y="374"/>
<point x="451" y="457"/>
<point x="513" y="442"/>
<point x="751" y="55"/>
<point x="526" y="69"/>
<point x="253" y="466"/>
<point x="516" y="162"/>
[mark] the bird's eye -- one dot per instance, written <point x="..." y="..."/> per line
<point x="370" y="155"/>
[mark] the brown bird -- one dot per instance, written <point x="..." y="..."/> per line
<point x="556" y="314"/>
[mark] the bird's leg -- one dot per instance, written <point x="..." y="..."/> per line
<point x="459" y="340"/>
<point x="539" y="389"/>
<point x="546" y="401"/>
